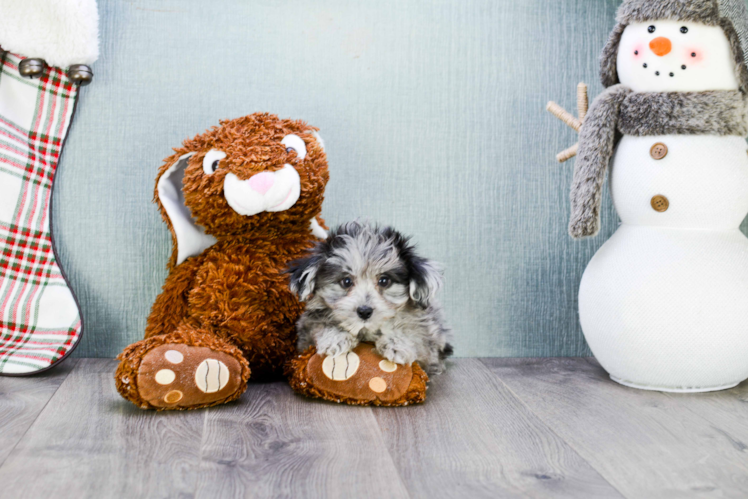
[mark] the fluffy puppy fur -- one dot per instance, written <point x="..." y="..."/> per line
<point x="367" y="284"/>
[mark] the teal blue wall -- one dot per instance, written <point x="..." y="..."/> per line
<point x="433" y="115"/>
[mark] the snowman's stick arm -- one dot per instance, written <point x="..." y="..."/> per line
<point x="568" y="154"/>
<point x="583" y="101"/>
<point x="564" y="115"/>
<point x="583" y="105"/>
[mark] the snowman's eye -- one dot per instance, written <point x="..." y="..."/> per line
<point x="211" y="161"/>
<point x="651" y="29"/>
<point x="684" y="30"/>
<point x="295" y="143"/>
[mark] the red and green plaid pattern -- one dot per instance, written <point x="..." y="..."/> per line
<point x="39" y="317"/>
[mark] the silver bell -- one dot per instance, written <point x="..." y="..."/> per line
<point x="80" y="74"/>
<point x="32" y="68"/>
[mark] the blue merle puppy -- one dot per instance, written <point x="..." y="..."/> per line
<point x="366" y="284"/>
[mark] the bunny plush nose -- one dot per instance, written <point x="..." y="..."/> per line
<point x="661" y="46"/>
<point x="262" y="182"/>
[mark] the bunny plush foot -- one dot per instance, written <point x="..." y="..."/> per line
<point x="171" y="372"/>
<point x="358" y="377"/>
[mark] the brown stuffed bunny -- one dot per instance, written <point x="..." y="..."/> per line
<point x="242" y="201"/>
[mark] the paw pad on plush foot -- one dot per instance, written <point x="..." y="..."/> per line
<point x="173" y="397"/>
<point x="360" y="377"/>
<point x="211" y="376"/>
<point x="341" y="367"/>
<point x="387" y="366"/>
<point x="183" y="376"/>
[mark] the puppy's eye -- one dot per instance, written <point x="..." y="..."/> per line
<point x="346" y="283"/>
<point x="651" y="29"/>
<point x="684" y="30"/>
<point x="295" y="143"/>
<point x="211" y="161"/>
<point x="384" y="281"/>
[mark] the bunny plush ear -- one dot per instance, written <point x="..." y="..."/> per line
<point x="189" y="237"/>
<point x="316" y="135"/>
<point x="318" y="230"/>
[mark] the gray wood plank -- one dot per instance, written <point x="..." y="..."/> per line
<point x="21" y="401"/>
<point x="646" y="444"/>
<point x="89" y="442"/>
<point x="474" y="438"/>
<point x="727" y="414"/>
<point x="277" y="444"/>
<point x="490" y="428"/>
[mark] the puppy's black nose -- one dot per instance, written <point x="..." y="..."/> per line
<point x="364" y="312"/>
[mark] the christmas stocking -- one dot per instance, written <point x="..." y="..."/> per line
<point x="46" y="45"/>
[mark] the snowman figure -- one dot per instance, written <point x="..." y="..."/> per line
<point x="664" y="303"/>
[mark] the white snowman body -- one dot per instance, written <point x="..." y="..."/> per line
<point x="664" y="303"/>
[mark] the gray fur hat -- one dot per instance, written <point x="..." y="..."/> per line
<point x="730" y="15"/>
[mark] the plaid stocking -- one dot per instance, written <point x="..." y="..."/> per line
<point x="39" y="317"/>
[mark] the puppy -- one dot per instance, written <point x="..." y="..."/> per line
<point x="366" y="284"/>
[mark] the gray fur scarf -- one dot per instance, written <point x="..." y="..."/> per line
<point x="620" y="110"/>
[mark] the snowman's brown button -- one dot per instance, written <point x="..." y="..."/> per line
<point x="660" y="203"/>
<point x="658" y="151"/>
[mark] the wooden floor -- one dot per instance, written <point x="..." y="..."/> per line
<point x="490" y="428"/>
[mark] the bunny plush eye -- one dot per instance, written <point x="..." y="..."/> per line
<point x="211" y="160"/>
<point x="295" y="143"/>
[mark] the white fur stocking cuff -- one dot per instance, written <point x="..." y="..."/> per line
<point x="62" y="32"/>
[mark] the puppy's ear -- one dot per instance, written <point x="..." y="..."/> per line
<point x="424" y="276"/>
<point x="304" y="275"/>
<point x="425" y="280"/>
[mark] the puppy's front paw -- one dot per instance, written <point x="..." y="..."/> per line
<point x="435" y="368"/>
<point x="334" y="342"/>
<point x="397" y="352"/>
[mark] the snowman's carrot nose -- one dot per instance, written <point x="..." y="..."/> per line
<point x="661" y="46"/>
